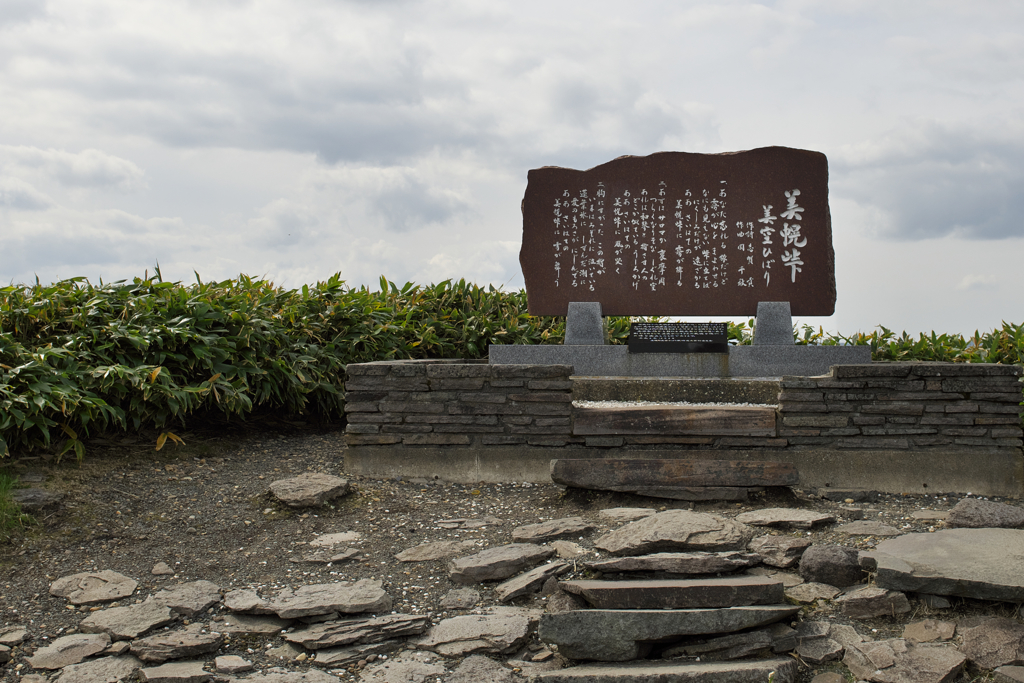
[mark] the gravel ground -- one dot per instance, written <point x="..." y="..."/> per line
<point x="204" y="509"/>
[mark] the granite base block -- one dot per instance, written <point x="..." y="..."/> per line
<point x="584" y="324"/>
<point x="774" y="324"/>
<point x="741" y="361"/>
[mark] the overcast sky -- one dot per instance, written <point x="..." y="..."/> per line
<point x="296" y="139"/>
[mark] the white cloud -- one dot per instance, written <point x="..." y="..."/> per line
<point x="977" y="282"/>
<point x="89" y="168"/>
<point x="17" y="194"/>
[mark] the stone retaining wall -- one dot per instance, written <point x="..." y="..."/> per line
<point x="898" y="427"/>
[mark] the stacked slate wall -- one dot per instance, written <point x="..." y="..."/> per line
<point x="457" y="403"/>
<point x="901" y="406"/>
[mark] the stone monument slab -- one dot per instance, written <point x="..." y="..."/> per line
<point x="677" y="233"/>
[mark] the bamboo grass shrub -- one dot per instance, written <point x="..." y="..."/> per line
<point x="78" y="358"/>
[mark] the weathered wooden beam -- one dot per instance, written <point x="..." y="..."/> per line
<point x="686" y="420"/>
<point x="676" y="479"/>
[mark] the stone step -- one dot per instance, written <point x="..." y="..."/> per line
<point x="672" y="389"/>
<point x="658" y="420"/>
<point x="679" y="594"/>
<point x="742" y="671"/>
<point x="676" y="479"/>
<point x="621" y="635"/>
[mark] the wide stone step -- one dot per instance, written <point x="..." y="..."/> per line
<point x="660" y="420"/>
<point x="621" y="635"/>
<point x="679" y="594"/>
<point x="744" y="671"/>
<point x="672" y="389"/>
<point x="681" y="479"/>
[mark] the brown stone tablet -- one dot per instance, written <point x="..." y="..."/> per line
<point x="676" y="233"/>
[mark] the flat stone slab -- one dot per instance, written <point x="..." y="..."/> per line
<point x="309" y="490"/>
<point x="191" y="641"/>
<point x="971" y="563"/>
<point x="732" y="646"/>
<point x="806" y="593"/>
<point x="678" y="594"/>
<point x="476" y="634"/>
<point x="497" y="563"/>
<point x="929" y="631"/>
<point x="785" y="671"/>
<point x="567" y="527"/>
<point x="630" y="475"/>
<point x="331" y="540"/>
<point x="344" y="597"/>
<point x="972" y="513"/>
<point x="88" y="588"/>
<point x="1008" y="674"/>
<point x="622" y="635"/>
<point x="190" y="598"/>
<point x="902" y="661"/>
<point x="562" y="206"/>
<point x="126" y="623"/>
<point x="991" y="642"/>
<point x="13" y="635"/>
<point x="176" y="672"/>
<point x="871" y="601"/>
<point x="460" y="598"/>
<point x="345" y="656"/>
<point x="252" y="623"/>
<point x="33" y="499"/>
<point x="231" y="664"/>
<point x="868" y="528"/>
<point x="529" y="582"/>
<point x="68" y="650"/>
<point x="785" y="517"/>
<point x="434" y="550"/>
<point x="676" y="530"/>
<point x="101" y="670"/>
<point x="651" y="420"/>
<point x="779" y="551"/>
<point x="347" y="632"/>
<point x="678" y="563"/>
<point x="626" y="514"/>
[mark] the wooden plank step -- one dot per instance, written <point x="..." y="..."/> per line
<point x="656" y="420"/>
<point x="663" y="478"/>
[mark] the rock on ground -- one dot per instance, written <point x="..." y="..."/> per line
<point x="929" y="630"/>
<point x="500" y="562"/>
<point x="991" y="642"/>
<point x="308" y="490"/>
<point x="529" y="582"/>
<point x="190" y="598"/>
<point x="100" y="670"/>
<point x="779" y="551"/>
<point x="88" y="588"/>
<point x="125" y="623"/>
<point x="833" y="565"/>
<point x="785" y="517"/>
<point x="676" y="530"/>
<point x="190" y="641"/>
<point x="678" y="563"/>
<point x="977" y="514"/>
<point x="68" y="650"/>
<point x="551" y="530"/>
<point x="365" y="595"/>
<point x="871" y="601"/>
<point x="901" y="661"/>
<point x="176" y="672"/>
<point x="476" y="634"/>
<point x="480" y="669"/>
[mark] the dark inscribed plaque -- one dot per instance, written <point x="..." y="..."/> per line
<point x="676" y="233"/>
<point x="678" y="338"/>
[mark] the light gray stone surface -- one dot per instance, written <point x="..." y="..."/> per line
<point x="460" y="598"/>
<point x="365" y="595"/>
<point x="779" y="551"/>
<point x="190" y="598"/>
<point x="871" y="601"/>
<point x="345" y="632"/>
<point x="1008" y="674"/>
<point x="621" y="635"/>
<point x="14" y="634"/>
<point x="802" y="360"/>
<point x="785" y="517"/>
<point x="88" y="588"/>
<point x="190" y="641"/>
<point x="231" y="664"/>
<point x="478" y="669"/>
<point x="626" y="514"/>
<point x="929" y="631"/>
<point x="868" y="528"/>
<point x="819" y="650"/>
<point x="176" y="672"/>
<point x="496" y="563"/>
<point x="476" y="634"/>
<point x="806" y="593"/>
<point x="970" y="563"/>
<point x="773" y="325"/>
<point x="101" y="670"/>
<point x="584" y="323"/>
<point x="678" y="563"/>
<point x="161" y="569"/>
<point x="68" y="650"/>
<point x="676" y="530"/>
<point x="252" y="623"/>
<point x="126" y="623"/>
<point x="530" y="581"/>
<point x="834" y="565"/>
<point x="566" y="527"/>
<point x="434" y="550"/>
<point x="990" y="642"/>
<point x="973" y="513"/>
<point x="901" y="661"/>
<point x="747" y="671"/>
<point x="308" y="490"/>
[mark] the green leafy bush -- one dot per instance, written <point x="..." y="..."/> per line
<point x="76" y="358"/>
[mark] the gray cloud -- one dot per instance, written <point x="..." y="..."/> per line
<point x="88" y="168"/>
<point x="17" y="194"/>
<point x="932" y="180"/>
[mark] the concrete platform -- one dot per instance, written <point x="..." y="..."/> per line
<point x="676" y="389"/>
<point x="741" y="361"/>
